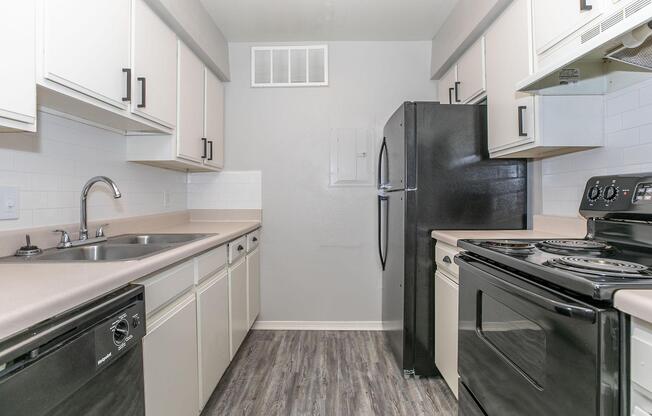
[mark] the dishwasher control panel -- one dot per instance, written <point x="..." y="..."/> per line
<point x="119" y="333"/>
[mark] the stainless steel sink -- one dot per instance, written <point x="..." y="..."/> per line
<point x="101" y="252"/>
<point x="147" y="239"/>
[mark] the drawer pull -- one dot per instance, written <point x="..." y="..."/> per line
<point x="447" y="260"/>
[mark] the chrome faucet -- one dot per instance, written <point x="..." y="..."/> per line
<point x="83" y="221"/>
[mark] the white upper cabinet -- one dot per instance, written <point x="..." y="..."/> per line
<point x="471" y="74"/>
<point x="554" y="20"/>
<point x="87" y="47"/>
<point x="446" y="86"/>
<point x="17" y="68"/>
<point x="214" y="120"/>
<point x="190" y="124"/>
<point x="154" y="52"/>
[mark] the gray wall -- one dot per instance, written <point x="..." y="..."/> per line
<point x="319" y="254"/>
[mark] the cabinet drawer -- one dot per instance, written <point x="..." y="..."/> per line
<point x="237" y="249"/>
<point x="163" y="287"/>
<point x="444" y="257"/>
<point x="210" y="262"/>
<point x="253" y="239"/>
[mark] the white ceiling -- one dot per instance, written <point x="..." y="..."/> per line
<point x="328" y="20"/>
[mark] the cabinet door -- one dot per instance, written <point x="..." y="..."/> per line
<point x="238" y="304"/>
<point x="154" y="86"/>
<point x="446" y="325"/>
<point x="213" y="323"/>
<point x="17" y="68"/>
<point x="556" y="19"/>
<point x="471" y="73"/>
<point x="253" y="285"/>
<point x="510" y="113"/>
<point x="214" y="120"/>
<point x="87" y="46"/>
<point x="446" y="86"/>
<point x="190" y="107"/>
<point x="170" y="361"/>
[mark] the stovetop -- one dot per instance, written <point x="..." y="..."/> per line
<point x="592" y="268"/>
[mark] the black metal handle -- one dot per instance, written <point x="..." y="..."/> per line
<point x="383" y="255"/>
<point x="210" y="153"/>
<point x="254" y="239"/>
<point x="521" y="109"/>
<point x="143" y="92"/>
<point x="383" y="150"/>
<point x="447" y="260"/>
<point x="203" y="139"/>
<point x="457" y="88"/>
<point x="584" y="6"/>
<point x="128" y="72"/>
<point x="240" y="248"/>
<point x="450" y="95"/>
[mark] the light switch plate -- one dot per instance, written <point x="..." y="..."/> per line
<point x="8" y="203"/>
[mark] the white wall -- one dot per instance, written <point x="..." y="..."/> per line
<point x="319" y="254"/>
<point x="51" y="167"/>
<point x="628" y="129"/>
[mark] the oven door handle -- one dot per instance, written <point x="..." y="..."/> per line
<point x="561" y="308"/>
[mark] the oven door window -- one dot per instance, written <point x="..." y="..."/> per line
<point x="518" y="339"/>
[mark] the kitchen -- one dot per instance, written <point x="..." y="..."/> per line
<point x="333" y="208"/>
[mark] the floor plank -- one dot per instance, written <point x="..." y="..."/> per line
<point x="323" y="373"/>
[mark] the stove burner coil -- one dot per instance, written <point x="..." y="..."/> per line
<point x="510" y="246"/>
<point x="600" y="266"/>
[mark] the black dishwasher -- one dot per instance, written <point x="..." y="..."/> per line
<point x="87" y="361"/>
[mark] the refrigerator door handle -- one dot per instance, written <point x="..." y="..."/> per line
<point x="382" y="252"/>
<point x="381" y="154"/>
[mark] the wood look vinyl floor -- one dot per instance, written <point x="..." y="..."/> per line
<point x="326" y="373"/>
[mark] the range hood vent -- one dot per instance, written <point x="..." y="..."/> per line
<point x="636" y="48"/>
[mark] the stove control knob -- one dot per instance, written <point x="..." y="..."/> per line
<point x="610" y="193"/>
<point x="120" y="332"/>
<point x="594" y="193"/>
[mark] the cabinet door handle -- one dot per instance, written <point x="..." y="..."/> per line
<point x="210" y="152"/>
<point x="457" y="90"/>
<point x="143" y="92"/>
<point x="203" y="139"/>
<point x="584" y="6"/>
<point x="447" y="260"/>
<point x="521" y="109"/>
<point x="450" y="95"/>
<point x="127" y="71"/>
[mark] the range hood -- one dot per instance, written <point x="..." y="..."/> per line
<point x="617" y="47"/>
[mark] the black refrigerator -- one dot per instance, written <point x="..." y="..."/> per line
<point x="434" y="172"/>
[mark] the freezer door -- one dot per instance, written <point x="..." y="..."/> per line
<point x="391" y="160"/>
<point x="393" y="275"/>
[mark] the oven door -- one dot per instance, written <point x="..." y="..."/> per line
<point x="525" y="349"/>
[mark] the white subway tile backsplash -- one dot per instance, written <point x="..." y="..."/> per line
<point x="225" y="190"/>
<point x="51" y="167"/>
<point x="628" y="149"/>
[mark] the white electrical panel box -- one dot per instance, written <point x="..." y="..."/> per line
<point x="8" y="203"/>
<point x="352" y="157"/>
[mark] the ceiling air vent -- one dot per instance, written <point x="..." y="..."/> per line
<point x="289" y="66"/>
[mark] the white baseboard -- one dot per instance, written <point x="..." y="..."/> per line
<point x="319" y="325"/>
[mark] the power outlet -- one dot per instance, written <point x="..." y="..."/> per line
<point x="8" y="203"/>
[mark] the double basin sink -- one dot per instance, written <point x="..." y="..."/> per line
<point x="119" y="248"/>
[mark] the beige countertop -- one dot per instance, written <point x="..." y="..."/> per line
<point x="30" y="293"/>
<point x="637" y="303"/>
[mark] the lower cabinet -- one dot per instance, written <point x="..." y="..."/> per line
<point x="213" y="334"/>
<point x="446" y="325"/>
<point x="238" y="304"/>
<point x="253" y="286"/>
<point x="170" y="360"/>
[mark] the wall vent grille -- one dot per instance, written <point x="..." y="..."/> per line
<point x="289" y="66"/>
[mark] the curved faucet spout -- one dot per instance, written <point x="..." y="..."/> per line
<point x="83" y="223"/>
